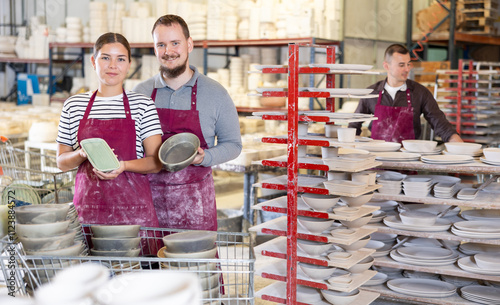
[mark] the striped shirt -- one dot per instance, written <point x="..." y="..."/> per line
<point x="142" y="109"/>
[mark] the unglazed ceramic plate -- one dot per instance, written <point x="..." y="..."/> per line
<point x="100" y="154"/>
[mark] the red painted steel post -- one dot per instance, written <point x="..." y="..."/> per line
<point x="292" y="171"/>
<point x="330" y="78"/>
<point x="459" y="94"/>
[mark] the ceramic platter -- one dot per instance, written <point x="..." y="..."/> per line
<point x="381" y="146"/>
<point x="467" y="264"/>
<point x="447" y="159"/>
<point x="481" y="294"/>
<point x="395" y="222"/>
<point x="342" y="66"/>
<point x="397" y="256"/>
<point x="479" y="226"/>
<point x="474" y="234"/>
<point x="100" y="154"/>
<point x="489" y="162"/>
<point x="420" y="287"/>
<point x="435" y="152"/>
<point x="482" y="214"/>
<point x="475" y="248"/>
<point x="397" y="156"/>
<point x="428" y="253"/>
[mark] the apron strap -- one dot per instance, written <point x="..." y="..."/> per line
<point x="126" y="106"/>
<point x="153" y="94"/>
<point x="380" y="97"/>
<point x="194" y="92"/>
<point x="408" y="97"/>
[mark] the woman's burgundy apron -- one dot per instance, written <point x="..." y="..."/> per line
<point x="127" y="198"/>
<point x="394" y="124"/>
<point x="184" y="199"/>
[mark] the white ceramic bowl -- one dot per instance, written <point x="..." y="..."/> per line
<point x="320" y="202"/>
<point x="362" y="266"/>
<point x="355" y="246"/>
<point x="314" y="248"/>
<point x="417" y="218"/>
<point x="315" y="225"/>
<point x="492" y="154"/>
<point x="340" y="298"/>
<point x="357" y="223"/>
<point x="115" y="230"/>
<point x="42" y="230"/>
<point x="419" y="145"/>
<point x="343" y="233"/>
<point x="190" y="241"/>
<point x="346" y="211"/>
<point x="316" y="272"/>
<point x="41" y="213"/>
<point x="357" y="201"/>
<point x="488" y="261"/>
<point x="48" y="243"/>
<point x="340" y="276"/>
<point x="347" y="135"/>
<point x="121" y="244"/>
<point x="462" y="148"/>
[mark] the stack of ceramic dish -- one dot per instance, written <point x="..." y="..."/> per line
<point x="481" y="214"/>
<point x="422" y="147"/>
<point x="481" y="294"/>
<point x="390" y="186"/>
<point x="382" y="243"/>
<point x="467" y="193"/>
<point x="189" y="246"/>
<point x="441" y="224"/>
<point x="428" y="242"/>
<point x="445" y="190"/>
<point x="387" y="206"/>
<point x="397" y="156"/>
<point x="477" y="229"/>
<point x="491" y="156"/>
<point x="380" y="146"/>
<point x="75" y="224"/>
<point x="475" y="248"/>
<point x="345" y="187"/>
<point x="481" y="263"/>
<point x="465" y="149"/>
<point x="422" y="287"/>
<point x="115" y="240"/>
<point x="424" y="256"/>
<point x="447" y="159"/>
<point x="415" y="186"/>
<point x="349" y="161"/>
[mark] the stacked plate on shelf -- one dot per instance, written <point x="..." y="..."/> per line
<point x="380" y="146"/>
<point x="477" y="229"/>
<point x="447" y="159"/>
<point x="482" y="214"/>
<point x="395" y="222"/>
<point x="397" y="156"/>
<point x="445" y="190"/>
<point x="415" y="186"/>
<point x="481" y="294"/>
<point x="491" y="156"/>
<point x="475" y="248"/>
<point x="422" y="287"/>
<point x="470" y="264"/>
<point x="390" y="186"/>
<point x="424" y="256"/>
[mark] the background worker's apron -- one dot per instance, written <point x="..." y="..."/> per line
<point x="127" y="198"/>
<point x="184" y="199"/>
<point x="394" y="124"/>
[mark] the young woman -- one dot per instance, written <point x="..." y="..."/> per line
<point x="129" y="123"/>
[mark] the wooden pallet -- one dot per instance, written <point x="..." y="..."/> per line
<point x="483" y="30"/>
<point x="479" y="13"/>
<point x="475" y="22"/>
<point x="478" y="4"/>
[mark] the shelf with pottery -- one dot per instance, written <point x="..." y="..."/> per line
<point x="345" y="282"/>
<point x="483" y="199"/>
<point x="326" y="116"/>
<point x="24" y="60"/>
<point x="450" y="269"/>
<point x="276" y="247"/>
<point x="279" y="205"/>
<point x="443" y="235"/>
<point x="390" y="294"/>
<point x="275" y="293"/>
<point x="316" y="163"/>
<point x="475" y="167"/>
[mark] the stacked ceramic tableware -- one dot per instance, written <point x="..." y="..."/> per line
<point x="75" y="225"/>
<point x="116" y="13"/>
<point x="115" y="240"/>
<point x="445" y="190"/>
<point x="215" y="19"/>
<point x="198" y="24"/>
<point x="184" y="248"/>
<point x="382" y="243"/>
<point x="427" y="242"/>
<point x="481" y="294"/>
<point x="73" y="29"/>
<point x="418" y="221"/>
<point x="424" y="256"/>
<point x="477" y="229"/>
<point x="422" y="147"/>
<point x="236" y="75"/>
<point x="61" y="34"/>
<point x="422" y="287"/>
<point x="475" y="248"/>
<point x="390" y="185"/>
<point x="415" y="186"/>
<point x="98" y="19"/>
<point x="481" y="263"/>
<point x="43" y="230"/>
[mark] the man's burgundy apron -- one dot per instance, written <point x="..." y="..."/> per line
<point x="184" y="199"/>
<point x="394" y="124"/>
<point x="127" y="198"/>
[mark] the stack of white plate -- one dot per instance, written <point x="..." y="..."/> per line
<point x="424" y="256"/>
<point x="236" y="74"/>
<point x="477" y="229"/>
<point x="445" y="189"/>
<point x="198" y="24"/>
<point x="467" y="193"/>
<point x="475" y="248"/>
<point x="483" y="214"/>
<point x="73" y="29"/>
<point x="379" y="279"/>
<point x="397" y="156"/>
<point x="481" y="294"/>
<point x="464" y="149"/>
<point x="469" y="264"/>
<point x="98" y="21"/>
<point x="447" y="159"/>
<point x="415" y="186"/>
<point x="395" y="222"/>
<point x="422" y="287"/>
<point x="391" y="187"/>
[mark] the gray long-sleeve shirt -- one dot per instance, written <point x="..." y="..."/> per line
<point x="218" y="115"/>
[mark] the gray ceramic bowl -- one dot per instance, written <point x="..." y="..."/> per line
<point x="42" y="230"/>
<point x="115" y="231"/>
<point x="190" y="241"/>
<point x="48" y="243"/>
<point x="41" y="213"/>
<point x="178" y="151"/>
<point x="110" y="244"/>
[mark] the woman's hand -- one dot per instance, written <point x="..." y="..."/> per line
<point x="112" y="174"/>
<point x="199" y="157"/>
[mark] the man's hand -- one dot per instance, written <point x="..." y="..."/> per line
<point x="199" y="157"/>
<point x="455" y="138"/>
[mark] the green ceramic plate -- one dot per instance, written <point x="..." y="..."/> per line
<point x="100" y="154"/>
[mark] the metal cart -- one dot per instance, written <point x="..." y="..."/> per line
<point x="234" y="266"/>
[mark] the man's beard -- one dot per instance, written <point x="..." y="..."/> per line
<point x="175" y="72"/>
